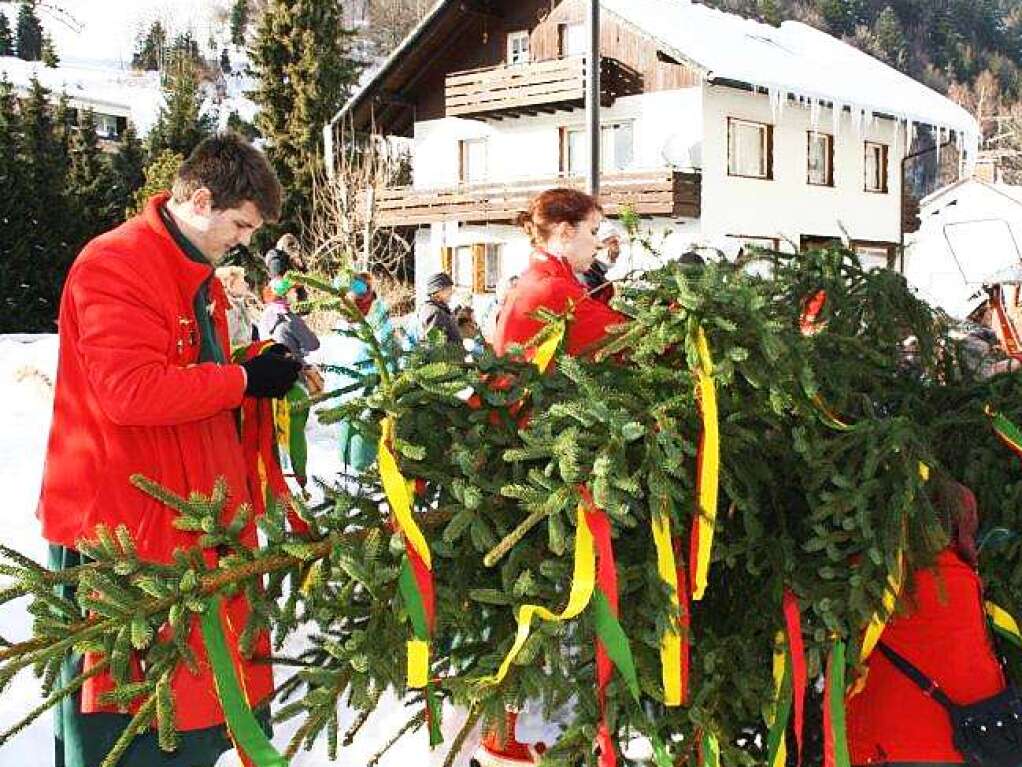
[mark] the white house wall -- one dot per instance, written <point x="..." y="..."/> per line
<point x="529" y="147"/>
<point x="786" y="206"/>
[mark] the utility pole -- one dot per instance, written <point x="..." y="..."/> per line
<point x="593" y="97"/>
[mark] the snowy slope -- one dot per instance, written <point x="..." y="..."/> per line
<point x="25" y="363"/>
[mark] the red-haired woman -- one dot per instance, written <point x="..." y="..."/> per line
<point x="563" y="226"/>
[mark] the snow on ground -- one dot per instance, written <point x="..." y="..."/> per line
<point x="27" y="368"/>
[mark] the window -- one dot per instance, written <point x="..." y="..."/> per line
<point x="746" y="243"/>
<point x="876" y="167"/>
<point x="818" y="242"/>
<point x="617" y="149"/>
<point x="875" y="255"/>
<point x="518" y="47"/>
<point x="473" y="161"/>
<point x="749" y="149"/>
<point x="492" y="270"/>
<point x="106" y="126"/>
<point x="474" y="268"/>
<point x="571" y="40"/>
<point x="821" y="159"/>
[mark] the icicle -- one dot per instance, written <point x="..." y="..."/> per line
<point x="814" y="114"/>
<point x="772" y="94"/>
<point x="940" y="140"/>
<point x="868" y="119"/>
<point x="782" y="102"/>
<point x="857" y="120"/>
<point x="910" y="135"/>
<point x="837" y="111"/>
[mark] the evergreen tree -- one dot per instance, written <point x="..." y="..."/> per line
<point x="49" y="54"/>
<point x="185" y="46"/>
<point x="29" y="32"/>
<point x="239" y="21"/>
<point x="18" y="312"/>
<point x="305" y="68"/>
<point x="128" y="165"/>
<point x="180" y="125"/>
<point x="51" y="233"/>
<point x="6" y="37"/>
<point x="151" y="50"/>
<point x="890" y="38"/>
<point x="159" y="176"/>
<point x="89" y="180"/>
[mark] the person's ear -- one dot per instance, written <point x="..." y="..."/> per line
<point x="566" y="231"/>
<point x="202" y="201"/>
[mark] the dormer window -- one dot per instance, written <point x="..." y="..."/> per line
<point x="518" y="47"/>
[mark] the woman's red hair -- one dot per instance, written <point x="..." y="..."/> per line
<point x="553" y="207"/>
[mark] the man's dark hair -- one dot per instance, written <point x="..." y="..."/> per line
<point x="234" y="172"/>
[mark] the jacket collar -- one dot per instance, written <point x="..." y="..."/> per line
<point x="191" y="274"/>
<point x="548" y="263"/>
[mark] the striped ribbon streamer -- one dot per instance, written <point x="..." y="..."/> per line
<point x="546" y="350"/>
<point x="835" y="735"/>
<point x="777" y="747"/>
<point x="291" y="416"/>
<point x="1006" y="431"/>
<point x="673" y="646"/>
<point x="707" y="470"/>
<point x="1003" y="624"/>
<point x="811" y="309"/>
<point x="248" y="735"/>
<point x="709" y="750"/>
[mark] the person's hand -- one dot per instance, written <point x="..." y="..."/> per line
<point x="270" y="375"/>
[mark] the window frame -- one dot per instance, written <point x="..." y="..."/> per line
<point x="464" y="166"/>
<point x="562" y="38"/>
<point x="564" y="156"/>
<point x="828" y="158"/>
<point x="890" y="247"/>
<point x="518" y="34"/>
<point x="883" y="168"/>
<point x="767" y="145"/>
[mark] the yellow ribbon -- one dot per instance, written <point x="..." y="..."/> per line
<point x="418" y="664"/>
<point x="398" y="495"/>
<point x="670" y="640"/>
<point x="780" y="661"/>
<point x="583" y="581"/>
<point x="709" y="470"/>
<point x="1002" y="619"/>
<point x="546" y="350"/>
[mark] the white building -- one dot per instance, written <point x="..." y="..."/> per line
<point x="970" y="234"/>
<point x="115" y="96"/>
<point x="718" y="130"/>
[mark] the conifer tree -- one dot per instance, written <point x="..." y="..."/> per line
<point x="6" y="37"/>
<point x="239" y="21"/>
<point x="89" y="180"/>
<point x="890" y="37"/>
<point x="305" y="67"/>
<point x="29" y="38"/>
<point x="151" y="50"/>
<point x="159" y="175"/>
<point x="180" y="125"/>
<point x="51" y="239"/>
<point x="49" y="55"/>
<point x="128" y="166"/>
<point x="15" y="250"/>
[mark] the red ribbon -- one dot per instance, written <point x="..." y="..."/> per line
<point x="800" y="677"/>
<point x="686" y="620"/>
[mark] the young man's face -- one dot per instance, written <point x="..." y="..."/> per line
<point x="226" y="229"/>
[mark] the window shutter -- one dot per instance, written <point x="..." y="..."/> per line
<point x="770" y="151"/>
<point x="447" y="260"/>
<point x="883" y="170"/>
<point x="478" y="268"/>
<point x="830" y="161"/>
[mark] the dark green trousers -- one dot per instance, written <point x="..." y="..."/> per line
<point x="84" y="740"/>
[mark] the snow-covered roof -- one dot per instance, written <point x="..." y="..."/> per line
<point x="113" y="91"/>
<point x="791" y="60"/>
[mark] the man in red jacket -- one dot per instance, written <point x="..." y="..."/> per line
<point x="143" y="386"/>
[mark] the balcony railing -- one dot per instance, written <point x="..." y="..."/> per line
<point x="649" y="193"/>
<point x="541" y="86"/>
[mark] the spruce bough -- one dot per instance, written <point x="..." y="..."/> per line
<point x="807" y="505"/>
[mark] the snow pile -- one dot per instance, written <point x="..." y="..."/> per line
<point x="793" y="60"/>
<point x="27" y="364"/>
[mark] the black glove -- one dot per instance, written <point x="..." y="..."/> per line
<point x="270" y="375"/>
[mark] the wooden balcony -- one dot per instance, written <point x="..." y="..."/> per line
<point x="529" y="89"/>
<point x="650" y="193"/>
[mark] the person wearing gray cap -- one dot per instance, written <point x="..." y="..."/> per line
<point x="436" y="311"/>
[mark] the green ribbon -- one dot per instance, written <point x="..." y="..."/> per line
<point x="836" y="706"/>
<point x="413" y="601"/>
<point x="248" y="735"/>
<point x="782" y="715"/>
<point x="608" y="629"/>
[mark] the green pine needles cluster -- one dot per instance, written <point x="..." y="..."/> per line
<point x="822" y="436"/>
